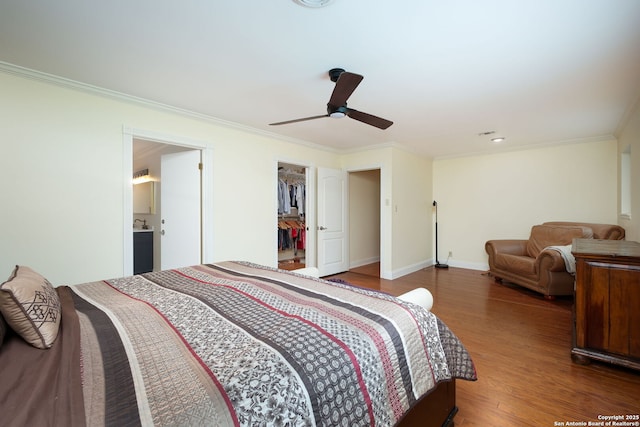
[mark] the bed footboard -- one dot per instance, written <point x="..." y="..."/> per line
<point x="434" y="410"/>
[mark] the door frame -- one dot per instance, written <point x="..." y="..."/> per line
<point x="206" y="226"/>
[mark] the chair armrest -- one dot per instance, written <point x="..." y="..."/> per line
<point x="513" y="247"/>
<point x="550" y="260"/>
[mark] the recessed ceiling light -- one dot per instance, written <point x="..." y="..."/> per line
<point x="313" y="3"/>
<point x="498" y="139"/>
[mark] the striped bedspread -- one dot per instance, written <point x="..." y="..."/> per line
<point x="234" y="343"/>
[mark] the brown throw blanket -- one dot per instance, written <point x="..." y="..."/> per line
<point x="44" y="389"/>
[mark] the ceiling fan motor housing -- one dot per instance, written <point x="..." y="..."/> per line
<point x="337" y="112"/>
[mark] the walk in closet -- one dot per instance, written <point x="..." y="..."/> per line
<point x="292" y="205"/>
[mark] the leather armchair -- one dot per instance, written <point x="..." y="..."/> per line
<point x="532" y="264"/>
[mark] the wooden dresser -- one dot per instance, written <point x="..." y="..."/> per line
<point x="607" y="302"/>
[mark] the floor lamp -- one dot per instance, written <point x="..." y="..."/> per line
<point x="438" y="265"/>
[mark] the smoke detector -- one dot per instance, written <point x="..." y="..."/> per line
<point x="314" y="3"/>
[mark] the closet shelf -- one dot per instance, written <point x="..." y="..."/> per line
<point x="291" y="177"/>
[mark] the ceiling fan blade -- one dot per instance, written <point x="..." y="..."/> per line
<point x="345" y="85"/>
<point x="369" y="119"/>
<point x="298" y="120"/>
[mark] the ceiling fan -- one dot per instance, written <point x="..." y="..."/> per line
<point x="346" y="83"/>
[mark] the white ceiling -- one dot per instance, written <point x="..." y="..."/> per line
<point x="534" y="71"/>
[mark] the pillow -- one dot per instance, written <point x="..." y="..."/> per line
<point x="30" y="305"/>
<point x="420" y="296"/>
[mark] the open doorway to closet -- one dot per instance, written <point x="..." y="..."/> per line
<point x="364" y="222"/>
<point x="292" y="216"/>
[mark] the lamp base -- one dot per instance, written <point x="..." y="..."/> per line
<point x="438" y="265"/>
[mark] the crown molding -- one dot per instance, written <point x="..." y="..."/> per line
<point x="31" y="74"/>
<point x="531" y="146"/>
<point x="28" y="73"/>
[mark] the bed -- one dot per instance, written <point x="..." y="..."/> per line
<point x="225" y="344"/>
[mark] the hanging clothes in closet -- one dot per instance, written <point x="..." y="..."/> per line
<point x="291" y="210"/>
<point x="291" y="192"/>
<point x="291" y="235"/>
<point x="284" y="197"/>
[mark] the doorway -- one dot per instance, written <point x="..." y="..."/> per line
<point x="364" y="220"/>
<point x="292" y="216"/>
<point x="165" y="175"/>
<point x="152" y="146"/>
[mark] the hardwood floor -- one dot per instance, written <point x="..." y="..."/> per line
<point x="520" y="344"/>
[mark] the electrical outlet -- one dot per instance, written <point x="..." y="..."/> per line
<point x="450" y="254"/>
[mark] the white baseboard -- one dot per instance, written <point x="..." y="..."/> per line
<point x="360" y="263"/>
<point x="394" y="274"/>
<point x="469" y="265"/>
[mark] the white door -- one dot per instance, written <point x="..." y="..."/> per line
<point x="332" y="229"/>
<point x="180" y="209"/>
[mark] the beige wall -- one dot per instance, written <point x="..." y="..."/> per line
<point x="62" y="186"/>
<point x="63" y="180"/>
<point x="411" y="212"/>
<point x="630" y="137"/>
<point x="501" y="196"/>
